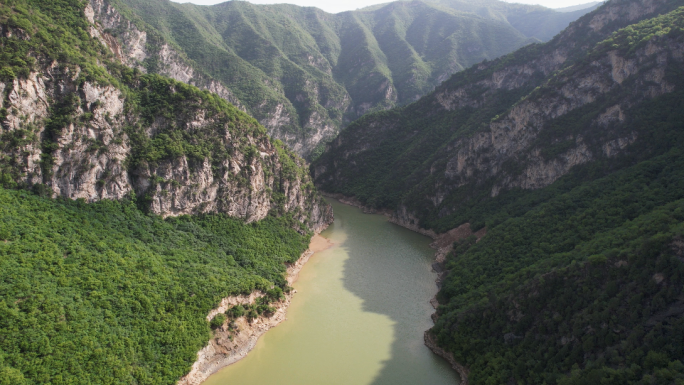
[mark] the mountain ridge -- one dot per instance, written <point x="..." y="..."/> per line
<point x="479" y="94"/>
<point x="306" y="81"/>
<point x="568" y="154"/>
<point x="578" y="7"/>
<point x="131" y="204"/>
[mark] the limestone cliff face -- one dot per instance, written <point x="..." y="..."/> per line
<point x="592" y="27"/>
<point x="25" y="95"/>
<point x="78" y="165"/>
<point x="130" y="45"/>
<point x="243" y="188"/>
<point x="514" y="135"/>
<point x="89" y="155"/>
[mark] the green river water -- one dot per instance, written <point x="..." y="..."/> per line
<point x="358" y="316"/>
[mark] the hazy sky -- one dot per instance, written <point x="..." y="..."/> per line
<point x="335" y="6"/>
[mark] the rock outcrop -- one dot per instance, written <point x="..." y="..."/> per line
<point x="515" y="135"/>
<point x="87" y="155"/>
<point x="130" y="46"/>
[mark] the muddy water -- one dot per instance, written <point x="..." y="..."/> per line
<point x="358" y="317"/>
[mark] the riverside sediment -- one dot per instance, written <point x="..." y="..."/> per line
<point x="462" y="371"/>
<point x="227" y="345"/>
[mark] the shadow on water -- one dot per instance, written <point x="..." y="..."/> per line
<point x="390" y="269"/>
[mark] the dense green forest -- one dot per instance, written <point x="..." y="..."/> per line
<point x="106" y="292"/>
<point x="588" y="283"/>
<point x="103" y="293"/>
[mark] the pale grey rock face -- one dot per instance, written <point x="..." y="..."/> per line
<point x="27" y="108"/>
<point x="77" y="171"/>
<point x="130" y="47"/>
<point x="513" y="135"/>
<point x="516" y="76"/>
<point x="89" y="160"/>
<point x="27" y="96"/>
<point x="80" y="170"/>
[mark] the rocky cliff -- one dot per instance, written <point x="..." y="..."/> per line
<point x="106" y="132"/>
<point x="305" y="74"/>
<point x="521" y="122"/>
<point x="636" y="76"/>
<point x="130" y="45"/>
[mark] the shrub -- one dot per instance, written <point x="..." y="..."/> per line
<point x="217" y="321"/>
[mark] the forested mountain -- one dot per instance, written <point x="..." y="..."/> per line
<point x="132" y="203"/>
<point x="96" y="286"/>
<point x="303" y="73"/>
<point x="76" y="123"/>
<point x="569" y="153"/>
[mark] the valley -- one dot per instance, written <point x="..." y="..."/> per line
<point x="305" y="74"/>
<point x="163" y="169"/>
<point x="359" y="314"/>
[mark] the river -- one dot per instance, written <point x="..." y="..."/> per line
<point x="358" y="316"/>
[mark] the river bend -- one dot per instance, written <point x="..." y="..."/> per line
<point x="358" y="316"/>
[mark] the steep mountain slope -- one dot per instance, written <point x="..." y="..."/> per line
<point x="570" y="153"/>
<point x="153" y="201"/>
<point x="466" y="139"/>
<point x="305" y="74"/>
<point x="102" y="293"/>
<point x="76" y="129"/>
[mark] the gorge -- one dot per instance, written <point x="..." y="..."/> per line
<point x="163" y="169"/>
<point x="358" y="316"/>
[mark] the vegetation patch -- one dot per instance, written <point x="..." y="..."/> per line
<point x="102" y="293"/>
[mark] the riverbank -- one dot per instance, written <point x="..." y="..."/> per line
<point x="364" y="302"/>
<point x="460" y="369"/>
<point x="231" y="343"/>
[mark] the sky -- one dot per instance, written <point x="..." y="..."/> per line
<point x="335" y="6"/>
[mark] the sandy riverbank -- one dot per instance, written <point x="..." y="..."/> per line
<point x="319" y="243"/>
<point x="229" y="346"/>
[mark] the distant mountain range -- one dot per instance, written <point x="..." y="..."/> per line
<point x="305" y="74"/>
